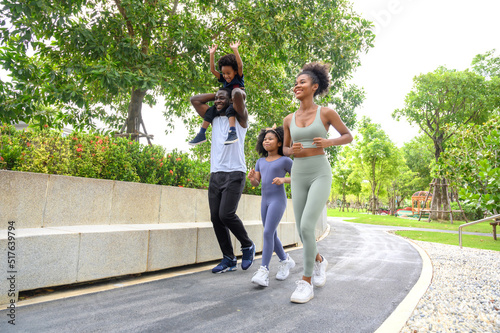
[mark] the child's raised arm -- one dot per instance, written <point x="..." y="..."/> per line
<point x="212" y="61"/>
<point x="234" y="47"/>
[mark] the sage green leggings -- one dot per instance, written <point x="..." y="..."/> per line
<point x="311" y="180"/>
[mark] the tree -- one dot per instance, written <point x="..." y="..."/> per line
<point x="487" y="64"/>
<point x="419" y="156"/>
<point x="97" y="59"/>
<point x="375" y="156"/>
<point x="447" y="97"/>
<point x="472" y="163"/>
<point x="342" y="174"/>
<point x="401" y="186"/>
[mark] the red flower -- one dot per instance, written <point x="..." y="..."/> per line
<point x="169" y="156"/>
<point x="130" y="143"/>
<point x="1" y="158"/>
<point x="93" y="154"/>
<point x="161" y="164"/>
<point x="75" y="138"/>
<point x="178" y="159"/>
<point x="99" y="142"/>
<point x="152" y="158"/>
<point x="181" y="186"/>
<point x="79" y="149"/>
<point x="188" y="180"/>
<point x="28" y="144"/>
<point x="171" y="172"/>
<point x="45" y="125"/>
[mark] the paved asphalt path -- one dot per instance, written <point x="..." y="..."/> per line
<point x="369" y="274"/>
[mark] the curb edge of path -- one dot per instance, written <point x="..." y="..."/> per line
<point x="398" y="318"/>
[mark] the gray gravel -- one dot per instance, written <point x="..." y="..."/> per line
<point x="464" y="295"/>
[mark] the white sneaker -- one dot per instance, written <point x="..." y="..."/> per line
<point x="303" y="293"/>
<point x="284" y="268"/>
<point x="319" y="273"/>
<point x="261" y="277"/>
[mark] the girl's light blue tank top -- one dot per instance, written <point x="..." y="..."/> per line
<point x="305" y="135"/>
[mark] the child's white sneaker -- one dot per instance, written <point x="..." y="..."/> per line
<point x="319" y="273"/>
<point x="303" y="293"/>
<point x="261" y="277"/>
<point x="284" y="268"/>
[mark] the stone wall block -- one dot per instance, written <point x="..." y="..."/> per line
<point x="171" y="247"/>
<point x="135" y="203"/>
<point x="77" y="201"/>
<point x="23" y="198"/>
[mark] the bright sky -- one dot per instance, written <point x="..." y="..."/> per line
<point x="413" y="37"/>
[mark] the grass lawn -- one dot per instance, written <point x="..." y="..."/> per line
<point x="479" y="242"/>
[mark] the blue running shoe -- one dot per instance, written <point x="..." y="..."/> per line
<point x="226" y="265"/>
<point x="248" y="256"/>
<point x="199" y="138"/>
<point x="232" y="137"/>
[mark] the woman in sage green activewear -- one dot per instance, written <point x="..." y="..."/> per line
<point x="305" y="138"/>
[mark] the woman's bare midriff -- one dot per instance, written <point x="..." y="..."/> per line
<point x="308" y="152"/>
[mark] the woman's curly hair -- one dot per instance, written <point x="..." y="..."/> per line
<point x="228" y="60"/>
<point x="318" y="72"/>
<point x="278" y="132"/>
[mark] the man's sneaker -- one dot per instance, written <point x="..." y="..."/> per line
<point x="199" y="138"/>
<point x="284" y="268"/>
<point x="303" y="293"/>
<point x="248" y="255"/>
<point x="232" y="137"/>
<point x="261" y="277"/>
<point x="319" y="273"/>
<point x="226" y="265"/>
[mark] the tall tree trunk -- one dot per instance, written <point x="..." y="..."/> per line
<point x="440" y="201"/>
<point x="343" y="201"/>
<point x="135" y="113"/>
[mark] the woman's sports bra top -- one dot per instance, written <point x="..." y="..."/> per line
<point x="305" y="135"/>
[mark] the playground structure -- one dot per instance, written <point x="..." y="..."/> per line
<point x="421" y="202"/>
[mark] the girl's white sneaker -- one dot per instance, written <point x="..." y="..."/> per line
<point x="261" y="277"/>
<point x="284" y="268"/>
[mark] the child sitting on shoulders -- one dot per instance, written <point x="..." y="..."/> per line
<point x="231" y="74"/>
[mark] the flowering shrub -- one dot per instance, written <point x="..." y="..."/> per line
<point x="98" y="156"/>
<point x="103" y="157"/>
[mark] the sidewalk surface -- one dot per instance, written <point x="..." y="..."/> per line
<point x="370" y="272"/>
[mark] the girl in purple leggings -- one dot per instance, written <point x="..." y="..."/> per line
<point x="271" y="168"/>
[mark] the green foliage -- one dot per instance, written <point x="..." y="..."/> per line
<point x="344" y="180"/>
<point x="471" y="241"/>
<point x="419" y="156"/>
<point x="446" y="97"/>
<point x="98" y="156"/>
<point x="487" y="64"/>
<point x="75" y="57"/>
<point x="472" y="163"/>
<point x="472" y="213"/>
<point x="390" y="220"/>
<point x="376" y="157"/>
<point x="10" y="147"/>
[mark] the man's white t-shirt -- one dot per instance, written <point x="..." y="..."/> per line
<point x="227" y="158"/>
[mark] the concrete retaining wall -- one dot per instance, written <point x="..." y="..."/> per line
<point x="69" y="229"/>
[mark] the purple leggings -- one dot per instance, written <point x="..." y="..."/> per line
<point x="272" y="209"/>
